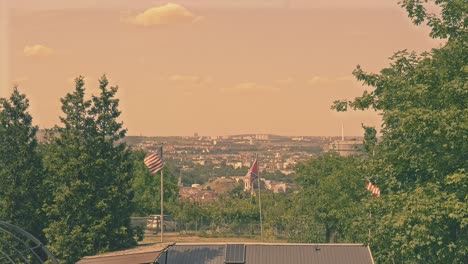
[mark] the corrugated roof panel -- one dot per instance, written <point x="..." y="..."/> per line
<point x="195" y="254"/>
<point x="148" y="257"/>
<point x="235" y="253"/>
<point x="307" y="254"/>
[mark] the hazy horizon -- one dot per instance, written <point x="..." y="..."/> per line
<point x="212" y="67"/>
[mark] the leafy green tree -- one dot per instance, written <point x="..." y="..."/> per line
<point x="370" y="139"/>
<point x="425" y="225"/>
<point x="229" y="214"/>
<point x="186" y="212"/>
<point x="422" y="215"/>
<point x="329" y="199"/>
<point x="147" y="187"/>
<point x="89" y="172"/>
<point x="276" y="213"/>
<point x="21" y="171"/>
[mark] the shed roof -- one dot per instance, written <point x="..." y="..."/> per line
<point x="311" y="254"/>
<point x="138" y="258"/>
<point x="138" y="255"/>
<point x="270" y="254"/>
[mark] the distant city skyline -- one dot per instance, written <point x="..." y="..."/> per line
<point x="213" y="67"/>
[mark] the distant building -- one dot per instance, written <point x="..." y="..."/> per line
<point x="262" y="137"/>
<point x="346" y="147"/>
<point x="201" y="162"/>
<point x="236" y="165"/>
<point x="197" y="195"/>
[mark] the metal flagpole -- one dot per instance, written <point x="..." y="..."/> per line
<point x="259" y="200"/>
<point x="162" y="198"/>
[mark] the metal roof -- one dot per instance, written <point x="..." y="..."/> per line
<point x="137" y="258"/>
<point x="194" y="254"/>
<point x="270" y="254"/>
<point x="310" y="254"/>
<point x="235" y="253"/>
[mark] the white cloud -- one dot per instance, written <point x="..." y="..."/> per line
<point x="250" y="88"/>
<point x="323" y="80"/>
<point x="193" y="79"/>
<point x="169" y="13"/>
<point x="184" y="78"/>
<point x="37" y="51"/>
<point x="288" y="80"/>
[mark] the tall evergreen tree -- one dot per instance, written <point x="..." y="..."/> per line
<point x="20" y="166"/>
<point x="89" y="170"/>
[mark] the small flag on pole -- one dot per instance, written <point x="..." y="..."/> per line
<point x="154" y="162"/>
<point x="373" y="189"/>
<point x="253" y="174"/>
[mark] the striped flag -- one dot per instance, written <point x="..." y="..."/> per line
<point x="154" y="162"/>
<point x="252" y="175"/>
<point x="373" y="189"/>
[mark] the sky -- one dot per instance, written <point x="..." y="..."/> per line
<point x="215" y="67"/>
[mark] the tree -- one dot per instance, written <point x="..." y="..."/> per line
<point x="147" y="187"/>
<point x="21" y="171"/>
<point x="331" y="190"/>
<point x="421" y="216"/>
<point x="370" y="139"/>
<point x="90" y="177"/>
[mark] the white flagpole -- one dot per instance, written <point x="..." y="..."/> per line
<point x="259" y="200"/>
<point x="162" y="198"/>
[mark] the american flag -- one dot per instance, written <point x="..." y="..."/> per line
<point x="154" y="162"/>
<point x="373" y="189"/>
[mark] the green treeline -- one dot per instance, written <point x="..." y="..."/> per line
<point x="74" y="192"/>
<point x="78" y="189"/>
<point x="420" y="164"/>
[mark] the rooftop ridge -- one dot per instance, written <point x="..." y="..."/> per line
<point x="270" y="244"/>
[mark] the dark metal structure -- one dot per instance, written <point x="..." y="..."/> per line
<point x="18" y="246"/>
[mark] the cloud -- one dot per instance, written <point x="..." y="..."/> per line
<point x="250" y="88"/>
<point x="323" y="80"/>
<point x="288" y="80"/>
<point x="189" y="79"/>
<point x="164" y="15"/>
<point x="184" y="78"/>
<point x="37" y="51"/>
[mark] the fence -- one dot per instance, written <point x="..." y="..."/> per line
<point x="210" y="228"/>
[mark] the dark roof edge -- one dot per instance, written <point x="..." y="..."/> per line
<point x="272" y="244"/>
<point x="164" y="251"/>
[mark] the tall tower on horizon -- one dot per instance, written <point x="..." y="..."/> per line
<point x="342" y="132"/>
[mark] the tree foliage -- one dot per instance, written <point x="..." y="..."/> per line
<point x="370" y="139"/>
<point x="147" y="187"/>
<point x="331" y="190"/>
<point x="420" y="164"/>
<point x="21" y="172"/>
<point x="89" y="172"/>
